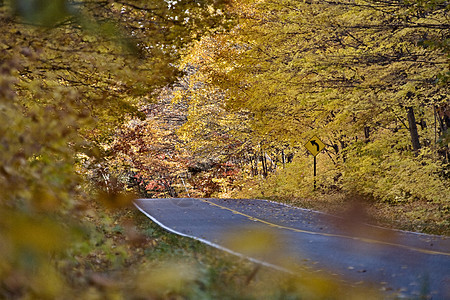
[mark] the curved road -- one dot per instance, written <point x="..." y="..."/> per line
<point x="405" y="264"/>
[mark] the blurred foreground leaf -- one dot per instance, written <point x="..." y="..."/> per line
<point x="42" y="12"/>
<point x="166" y="278"/>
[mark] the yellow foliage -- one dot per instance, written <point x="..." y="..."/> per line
<point x="165" y="278"/>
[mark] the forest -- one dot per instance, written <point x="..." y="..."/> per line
<point x="103" y="102"/>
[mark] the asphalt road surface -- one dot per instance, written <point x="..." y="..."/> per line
<point x="400" y="263"/>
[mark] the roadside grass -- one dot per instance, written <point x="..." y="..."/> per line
<point x="133" y="258"/>
<point x="419" y="216"/>
<point x="403" y="205"/>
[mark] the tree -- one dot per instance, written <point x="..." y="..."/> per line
<point x="146" y="155"/>
<point x="70" y="73"/>
<point x="352" y="72"/>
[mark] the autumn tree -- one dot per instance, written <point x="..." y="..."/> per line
<point x="146" y="155"/>
<point x="368" y="77"/>
<point x="70" y="74"/>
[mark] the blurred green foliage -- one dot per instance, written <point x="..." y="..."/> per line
<point x="42" y="12"/>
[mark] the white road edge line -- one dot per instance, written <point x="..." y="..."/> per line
<point x="253" y="260"/>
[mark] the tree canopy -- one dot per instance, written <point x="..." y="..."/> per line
<point x="369" y="77"/>
<point x="71" y="73"/>
<point x="209" y="98"/>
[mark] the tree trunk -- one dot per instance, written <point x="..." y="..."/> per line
<point x="423" y="124"/>
<point x="264" y="162"/>
<point x="413" y="129"/>
<point x="367" y="133"/>
<point x="444" y="120"/>
<point x="343" y="145"/>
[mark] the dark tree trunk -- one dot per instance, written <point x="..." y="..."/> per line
<point x="264" y="164"/>
<point x="413" y="129"/>
<point x="254" y="164"/>
<point x="367" y="133"/>
<point x="290" y="157"/>
<point x="444" y="120"/>
<point x="343" y="145"/>
<point x="423" y="124"/>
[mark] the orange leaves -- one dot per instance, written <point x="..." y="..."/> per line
<point x="145" y="154"/>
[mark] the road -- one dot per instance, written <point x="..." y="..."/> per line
<point x="405" y="264"/>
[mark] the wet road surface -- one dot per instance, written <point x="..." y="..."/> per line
<point x="400" y="263"/>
